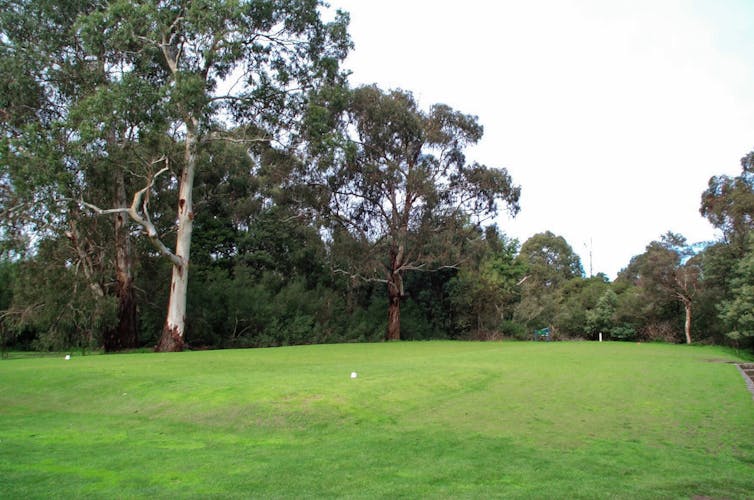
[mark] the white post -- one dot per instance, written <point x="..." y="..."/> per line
<point x="600" y="336"/>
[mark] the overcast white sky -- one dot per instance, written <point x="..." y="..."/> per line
<point x="610" y="115"/>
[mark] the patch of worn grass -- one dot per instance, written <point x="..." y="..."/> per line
<point x="433" y="419"/>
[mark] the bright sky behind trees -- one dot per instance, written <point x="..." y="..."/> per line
<point x="611" y="115"/>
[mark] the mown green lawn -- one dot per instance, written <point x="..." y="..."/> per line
<point x="432" y="419"/>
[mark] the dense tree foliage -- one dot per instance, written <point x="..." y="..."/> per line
<point x="485" y="290"/>
<point x="728" y="203"/>
<point x="738" y="311"/>
<point x="550" y="264"/>
<point x="550" y="260"/>
<point x="300" y="201"/>
<point x="666" y="272"/>
<point x="47" y="167"/>
<point x="143" y="87"/>
<point x="395" y="179"/>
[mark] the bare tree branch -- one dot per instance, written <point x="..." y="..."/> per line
<point x="360" y="277"/>
<point x="141" y="200"/>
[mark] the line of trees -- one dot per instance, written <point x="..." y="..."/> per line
<point x="143" y="142"/>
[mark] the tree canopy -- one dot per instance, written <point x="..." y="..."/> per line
<point x="143" y="87"/>
<point x="143" y="140"/>
<point x="395" y="178"/>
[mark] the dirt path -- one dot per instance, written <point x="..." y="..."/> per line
<point x="747" y="370"/>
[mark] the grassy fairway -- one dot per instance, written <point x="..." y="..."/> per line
<point x="435" y="419"/>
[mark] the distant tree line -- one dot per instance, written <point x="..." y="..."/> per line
<point x="202" y="174"/>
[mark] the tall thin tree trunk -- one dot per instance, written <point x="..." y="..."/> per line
<point x="687" y="325"/>
<point x="393" y="309"/>
<point x="175" y="323"/>
<point x="124" y="334"/>
<point x="394" y="295"/>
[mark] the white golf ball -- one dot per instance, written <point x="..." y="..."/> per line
<point x="354" y="374"/>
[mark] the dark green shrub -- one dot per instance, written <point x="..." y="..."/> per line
<point x="623" y="332"/>
<point x="514" y="330"/>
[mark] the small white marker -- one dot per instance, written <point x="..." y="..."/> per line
<point x="67" y="357"/>
<point x="354" y="374"/>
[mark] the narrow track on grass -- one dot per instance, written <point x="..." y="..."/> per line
<point x="747" y="370"/>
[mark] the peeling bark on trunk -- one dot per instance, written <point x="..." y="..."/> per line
<point x="170" y="341"/>
<point x="175" y="323"/>
<point x="124" y="334"/>
<point x="173" y="332"/>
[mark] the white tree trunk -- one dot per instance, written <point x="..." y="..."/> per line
<point x="687" y="325"/>
<point x="175" y="323"/>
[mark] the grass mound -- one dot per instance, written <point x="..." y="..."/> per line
<point x="433" y="419"/>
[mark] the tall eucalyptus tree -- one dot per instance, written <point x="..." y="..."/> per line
<point x="175" y="74"/>
<point x="48" y="76"/>
<point x="395" y="178"/>
<point x="668" y="271"/>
